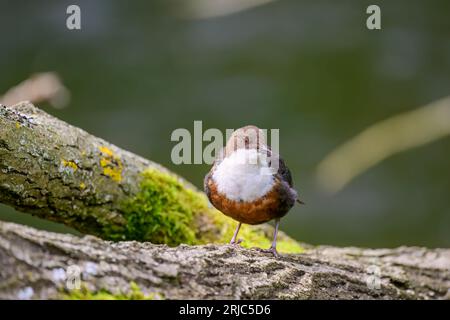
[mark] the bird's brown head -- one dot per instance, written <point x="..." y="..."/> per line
<point x="248" y="137"/>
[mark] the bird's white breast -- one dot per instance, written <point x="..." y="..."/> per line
<point x="243" y="175"/>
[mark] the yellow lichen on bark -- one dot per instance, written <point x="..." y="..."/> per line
<point x="69" y="164"/>
<point x="111" y="164"/>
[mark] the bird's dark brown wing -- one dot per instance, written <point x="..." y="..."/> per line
<point x="283" y="171"/>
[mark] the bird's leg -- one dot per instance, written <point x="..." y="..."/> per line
<point x="233" y="240"/>
<point x="273" y="247"/>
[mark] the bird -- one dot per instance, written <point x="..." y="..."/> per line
<point x="244" y="185"/>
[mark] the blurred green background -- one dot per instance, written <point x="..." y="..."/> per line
<point x="138" y="70"/>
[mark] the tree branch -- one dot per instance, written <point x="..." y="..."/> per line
<point x="52" y="169"/>
<point x="61" y="173"/>
<point x="39" y="260"/>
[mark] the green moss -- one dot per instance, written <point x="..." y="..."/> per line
<point x="135" y="293"/>
<point x="166" y="212"/>
<point x="253" y="236"/>
<point x="162" y="212"/>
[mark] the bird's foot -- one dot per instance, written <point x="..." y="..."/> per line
<point x="271" y="250"/>
<point x="236" y="242"/>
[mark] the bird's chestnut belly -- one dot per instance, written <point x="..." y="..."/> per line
<point x="263" y="209"/>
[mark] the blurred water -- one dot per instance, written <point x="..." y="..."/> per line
<point x="137" y="71"/>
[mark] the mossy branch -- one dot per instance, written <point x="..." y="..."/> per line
<point x="61" y="173"/>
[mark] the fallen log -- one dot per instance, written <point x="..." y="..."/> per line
<point x="35" y="264"/>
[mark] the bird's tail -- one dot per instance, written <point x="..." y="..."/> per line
<point x="295" y="195"/>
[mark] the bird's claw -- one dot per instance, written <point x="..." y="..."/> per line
<point x="236" y="243"/>
<point x="272" y="250"/>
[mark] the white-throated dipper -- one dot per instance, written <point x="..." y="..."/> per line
<point x="244" y="185"/>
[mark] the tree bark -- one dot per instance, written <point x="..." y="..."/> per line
<point x="61" y="173"/>
<point x="52" y="170"/>
<point x="35" y="264"/>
